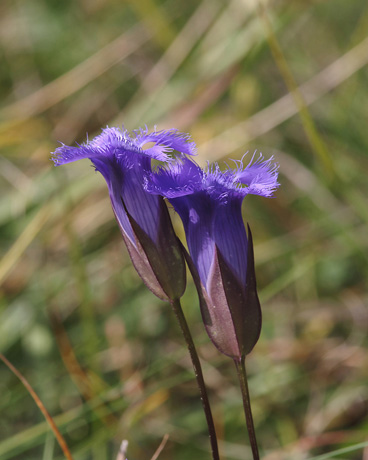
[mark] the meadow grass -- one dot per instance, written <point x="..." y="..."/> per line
<point x="103" y="354"/>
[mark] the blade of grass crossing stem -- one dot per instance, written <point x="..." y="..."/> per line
<point x="58" y="435"/>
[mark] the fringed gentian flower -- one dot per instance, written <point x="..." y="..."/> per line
<point x="143" y="218"/>
<point x="209" y="204"/>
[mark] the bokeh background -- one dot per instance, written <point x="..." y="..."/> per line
<point x="105" y="356"/>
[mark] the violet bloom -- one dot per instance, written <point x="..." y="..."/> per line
<point x="143" y="218"/>
<point x="209" y="204"/>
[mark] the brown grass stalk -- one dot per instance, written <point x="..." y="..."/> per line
<point x="59" y="437"/>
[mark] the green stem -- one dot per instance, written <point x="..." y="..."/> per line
<point x="242" y="376"/>
<point x="199" y="375"/>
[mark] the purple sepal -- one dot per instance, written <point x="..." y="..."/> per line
<point x="252" y="311"/>
<point x="231" y="315"/>
<point x="160" y="265"/>
<point x="224" y="298"/>
<point x="143" y="267"/>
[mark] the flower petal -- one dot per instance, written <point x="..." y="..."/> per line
<point x="142" y="217"/>
<point x="111" y="142"/>
<point x="165" y="141"/>
<point x="259" y="177"/>
<point x="115" y="178"/>
<point x="230" y="237"/>
<point x="196" y="212"/>
<point x="178" y="178"/>
<point x="66" y="154"/>
<point x="142" y="206"/>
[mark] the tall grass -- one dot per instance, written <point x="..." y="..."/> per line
<point x="105" y="356"/>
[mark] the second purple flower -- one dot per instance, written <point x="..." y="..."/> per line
<point x="209" y="204"/>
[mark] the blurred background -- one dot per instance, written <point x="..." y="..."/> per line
<point x="105" y="356"/>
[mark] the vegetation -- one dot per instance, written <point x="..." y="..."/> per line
<point x="103" y="354"/>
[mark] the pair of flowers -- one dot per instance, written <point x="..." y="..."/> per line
<point x="209" y="204"/>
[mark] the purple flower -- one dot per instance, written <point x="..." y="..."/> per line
<point x="143" y="218"/>
<point x="209" y="204"/>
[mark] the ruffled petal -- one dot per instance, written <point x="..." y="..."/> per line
<point x="66" y="154"/>
<point x="123" y="165"/>
<point x="110" y="143"/>
<point x="260" y="177"/>
<point x="178" y="178"/>
<point x="165" y="141"/>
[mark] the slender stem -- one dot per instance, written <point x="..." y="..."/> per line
<point x="199" y="375"/>
<point x="242" y="376"/>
